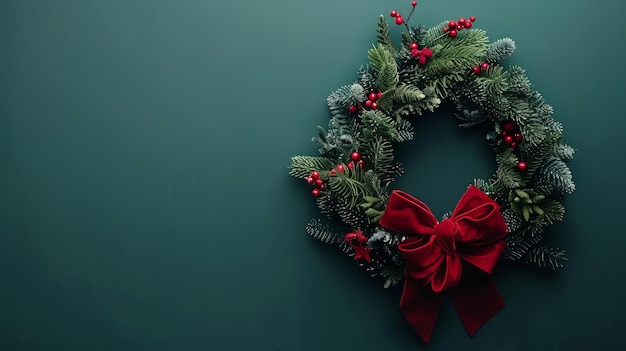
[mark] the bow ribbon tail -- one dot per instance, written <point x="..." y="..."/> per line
<point x="476" y="299"/>
<point x="420" y="306"/>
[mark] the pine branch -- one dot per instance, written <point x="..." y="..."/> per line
<point x="393" y="274"/>
<point x="534" y="229"/>
<point x="383" y="35"/>
<point x="487" y="186"/>
<point x="519" y="82"/>
<point x="494" y="80"/>
<point x="553" y="211"/>
<point x="518" y="246"/>
<point x="407" y="94"/>
<point x="375" y="123"/>
<point x="545" y="257"/>
<point x="375" y="186"/>
<point x="554" y="176"/>
<point x="513" y="220"/>
<point x="367" y="80"/>
<point x="500" y="49"/>
<point x="325" y="232"/>
<point x="428" y="103"/>
<point x="564" y="152"/>
<point x="453" y="58"/>
<point x="381" y="238"/>
<point x="384" y="64"/>
<point x="509" y="177"/>
<point x="380" y="157"/>
<point x="341" y="99"/>
<point x="404" y="130"/>
<point x="302" y="166"/>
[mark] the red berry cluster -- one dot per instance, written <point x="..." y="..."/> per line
<point x="421" y="55"/>
<point x="371" y="103"/>
<point x="512" y="136"/>
<point x="481" y="68"/>
<point x="399" y="20"/>
<point x="315" y="180"/>
<point x="454" y="27"/>
<point x="397" y="16"/>
<point x="355" y="158"/>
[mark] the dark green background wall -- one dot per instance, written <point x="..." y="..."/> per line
<point x="144" y="196"/>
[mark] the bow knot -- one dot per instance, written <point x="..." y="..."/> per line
<point x="435" y="253"/>
<point x="444" y="236"/>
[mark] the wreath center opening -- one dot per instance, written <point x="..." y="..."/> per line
<point x="443" y="159"/>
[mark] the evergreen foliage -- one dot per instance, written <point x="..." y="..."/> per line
<point x="383" y="35"/>
<point x="500" y="50"/>
<point x="325" y="232"/>
<point x="355" y="197"/>
<point x="544" y="257"/>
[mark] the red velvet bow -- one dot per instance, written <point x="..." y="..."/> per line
<point x="436" y="253"/>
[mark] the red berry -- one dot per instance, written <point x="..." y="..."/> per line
<point x="504" y="133"/>
<point x="513" y="145"/>
<point x="472" y="19"/>
<point x="355" y="156"/>
<point x="459" y="27"/>
<point x="509" y="126"/>
<point x="374" y="105"/>
<point x="446" y="29"/>
<point x="468" y="24"/>
<point x="476" y="69"/>
<point x="522" y="165"/>
<point x="315" y="192"/>
<point x="322" y="187"/>
<point x="415" y="52"/>
<point x="373" y="96"/>
<point x="462" y="21"/>
<point x="413" y="45"/>
<point x="393" y="13"/>
<point x="484" y="66"/>
<point x="332" y="172"/>
<point x="315" y="174"/>
<point x="399" y="20"/>
<point x="319" y="182"/>
<point x="452" y="24"/>
<point x="310" y="180"/>
<point x="352" y="109"/>
<point x="361" y="163"/>
<point x="340" y="168"/>
<point x="368" y="103"/>
<point x="508" y="139"/>
<point x="518" y="137"/>
<point x="351" y="165"/>
<point x="452" y="33"/>
<point x="414" y="3"/>
<point x="380" y="94"/>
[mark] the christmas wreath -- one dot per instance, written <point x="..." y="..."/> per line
<point x="395" y="235"/>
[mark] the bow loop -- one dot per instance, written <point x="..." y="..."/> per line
<point x="435" y="255"/>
